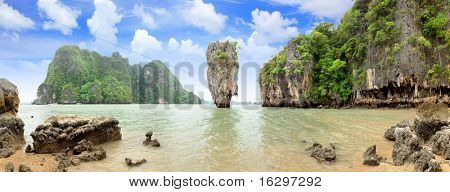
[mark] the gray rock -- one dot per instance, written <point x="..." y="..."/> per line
<point x="29" y="149"/>
<point x="440" y="143"/>
<point x="130" y="162"/>
<point x="94" y="155"/>
<point x="223" y="67"/>
<point x="406" y="143"/>
<point x="9" y="167"/>
<point x="322" y="154"/>
<point x="425" y="162"/>
<point x="371" y="157"/>
<point x="66" y="131"/>
<point x="150" y="141"/>
<point x="389" y="134"/>
<point x="24" y="168"/>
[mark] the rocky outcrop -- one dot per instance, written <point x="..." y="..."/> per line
<point x="286" y="79"/>
<point x="426" y="162"/>
<point x="416" y="143"/>
<point x="370" y="157"/>
<point x="322" y="154"/>
<point x="223" y="67"/>
<point x="130" y="162"/>
<point x="440" y="143"/>
<point x="150" y="141"/>
<point x="11" y="126"/>
<point x="58" y="133"/>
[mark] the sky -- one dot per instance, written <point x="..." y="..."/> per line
<point x="176" y="32"/>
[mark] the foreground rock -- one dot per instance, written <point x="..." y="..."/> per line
<point x="425" y="162"/>
<point x="149" y="141"/>
<point x="24" y="168"/>
<point x="11" y="126"/>
<point x="66" y="131"/>
<point x="371" y="157"/>
<point x="416" y="143"/>
<point x="9" y="167"/>
<point x="322" y="154"/>
<point x="84" y="151"/>
<point x="130" y="162"/>
<point x="222" y="73"/>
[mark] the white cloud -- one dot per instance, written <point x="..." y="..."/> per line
<point x="173" y="43"/>
<point x="11" y="19"/>
<point x="333" y="9"/>
<point x="143" y="42"/>
<point x="160" y="11"/>
<point x="62" y="17"/>
<point x="251" y="52"/>
<point x="272" y="27"/>
<point x="204" y="15"/>
<point x="103" y="22"/>
<point x="146" y="18"/>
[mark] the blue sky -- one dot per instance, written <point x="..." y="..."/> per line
<point x="173" y="31"/>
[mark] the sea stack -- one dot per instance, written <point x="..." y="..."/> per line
<point x="223" y="67"/>
<point x="11" y="126"/>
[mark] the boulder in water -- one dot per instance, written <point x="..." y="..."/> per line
<point x="149" y="141"/>
<point x="130" y="162"/>
<point x="322" y="154"/>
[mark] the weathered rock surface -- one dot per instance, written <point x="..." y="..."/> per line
<point x="24" y="168"/>
<point x="371" y="157"/>
<point x="61" y="132"/>
<point x="430" y="119"/>
<point x="440" y="143"/>
<point x="406" y="143"/>
<point x="11" y="126"/>
<point x="389" y="134"/>
<point x="222" y="73"/>
<point x="426" y="162"/>
<point x="149" y="141"/>
<point x="9" y="167"/>
<point x="322" y="154"/>
<point x="130" y="162"/>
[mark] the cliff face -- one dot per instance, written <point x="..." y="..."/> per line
<point x="384" y="53"/>
<point x="81" y="76"/>
<point x="222" y="73"/>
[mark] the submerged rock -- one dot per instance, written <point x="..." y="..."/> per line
<point x="130" y="162"/>
<point x="322" y="154"/>
<point x="149" y="141"/>
<point x="66" y="131"/>
<point x="371" y="157"/>
<point x="426" y="162"/>
<point x="222" y="73"/>
<point x="9" y="167"/>
<point x="11" y="126"/>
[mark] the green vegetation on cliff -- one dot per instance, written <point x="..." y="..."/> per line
<point x="82" y="76"/>
<point x="340" y="56"/>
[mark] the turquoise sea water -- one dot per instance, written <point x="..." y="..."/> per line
<point x="243" y="138"/>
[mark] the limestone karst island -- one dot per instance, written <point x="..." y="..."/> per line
<point x="225" y="86"/>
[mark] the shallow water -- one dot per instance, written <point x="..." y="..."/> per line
<point x="243" y="138"/>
